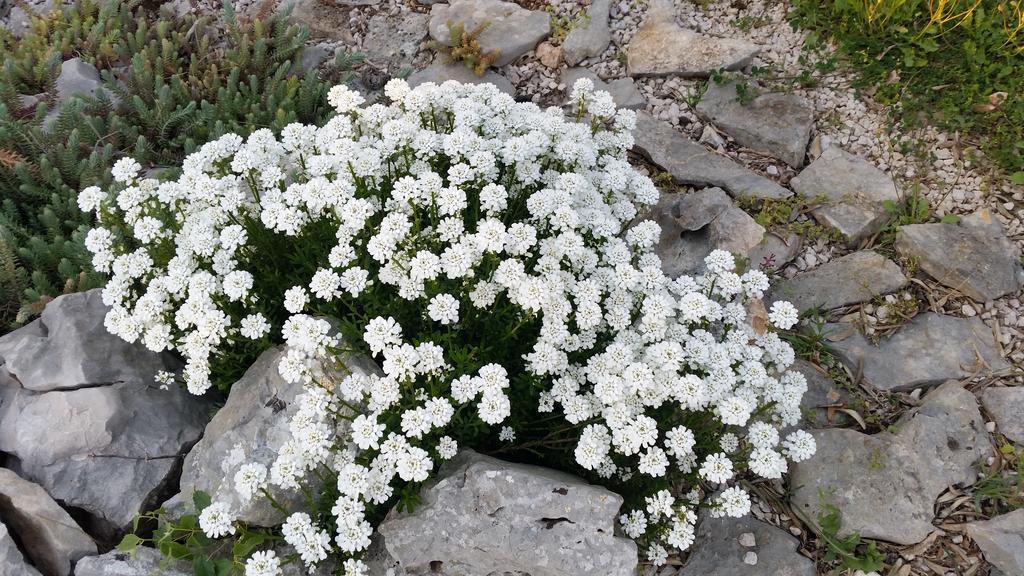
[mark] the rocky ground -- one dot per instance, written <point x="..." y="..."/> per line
<point x="911" y="344"/>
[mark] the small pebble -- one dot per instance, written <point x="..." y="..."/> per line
<point x="795" y="531"/>
<point x="968" y="310"/>
<point x="750" y="558"/>
<point x="990" y="426"/>
<point x="747" y="540"/>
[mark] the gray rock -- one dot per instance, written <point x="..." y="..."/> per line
<point x="1001" y="540"/>
<point x="5" y="7"/>
<point x="78" y="350"/>
<point x="52" y="540"/>
<point x="11" y="560"/>
<point x="775" y="250"/>
<point x="143" y="562"/>
<point x="690" y="163"/>
<point x="18" y="22"/>
<point x="885" y="485"/>
<point x="323" y="18"/>
<point x="623" y="90"/>
<point x="821" y="392"/>
<point x="660" y="48"/>
<point x="311" y="59"/>
<point x="719" y="550"/>
<point x="438" y="72"/>
<point x="115" y="451"/>
<point x="692" y="225"/>
<point x="590" y="38"/>
<point x="482" y="515"/>
<point x="973" y="256"/>
<point x="856" y="277"/>
<point x="392" y="41"/>
<point x="513" y="30"/>
<point x="929" y="349"/>
<point x="1006" y="406"/>
<point x="77" y="77"/>
<point x="251" y="427"/>
<point x="856" y="192"/>
<point x="775" y="123"/>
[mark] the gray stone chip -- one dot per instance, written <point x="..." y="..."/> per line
<point x="723" y="547"/>
<point x="512" y="30"/>
<point x="885" y="485"/>
<point x="929" y="349"/>
<point x="775" y="123"/>
<point x="854" y="278"/>
<point x="691" y="163"/>
<point x="973" y="256"/>
<point x="49" y="536"/>
<point x="855" y="190"/>
<point x="482" y="515"/>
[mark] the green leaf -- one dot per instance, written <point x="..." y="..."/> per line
<point x="247" y="543"/>
<point x="950" y="219"/>
<point x="1017" y="178"/>
<point x="201" y="500"/>
<point x="203" y="566"/>
<point x="129" y="543"/>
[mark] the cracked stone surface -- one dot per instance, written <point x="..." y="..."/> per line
<point x="854" y="278"/>
<point x="856" y="193"/>
<point x="957" y="348"/>
<point x="11" y="560"/>
<point x="973" y="256"/>
<point x="1001" y="540"/>
<point x="79" y="350"/>
<point x="119" y="444"/>
<point x="513" y="30"/>
<point x="392" y="41"/>
<point x="692" y="225"/>
<point x="775" y="123"/>
<point x="251" y="427"/>
<point x="885" y="485"/>
<point x="482" y="515"/>
<point x="115" y="451"/>
<point x="1006" y="405"/>
<point x="661" y="47"/>
<point x="48" y="534"/>
<point x="144" y="562"/>
<point x="591" y="37"/>
<point x="723" y="547"/>
<point x="691" y="163"/>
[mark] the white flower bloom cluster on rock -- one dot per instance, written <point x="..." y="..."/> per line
<point x="486" y="253"/>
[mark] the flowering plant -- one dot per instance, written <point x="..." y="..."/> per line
<point x="493" y="258"/>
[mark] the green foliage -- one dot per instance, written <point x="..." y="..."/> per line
<point x="957" y="64"/>
<point x="171" y="84"/>
<point x="1002" y="487"/>
<point x="181" y="539"/>
<point x="786" y="215"/>
<point x="844" y="551"/>
<point x="465" y="47"/>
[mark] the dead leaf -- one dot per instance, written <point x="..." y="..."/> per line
<point x="911" y="552"/>
<point x="856" y="416"/>
<point x="758" y="316"/>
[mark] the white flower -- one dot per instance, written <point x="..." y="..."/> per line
<point x="507" y="434"/>
<point x="90" y="199"/>
<point x="295" y="299"/>
<point x="344" y="99"/>
<point x="799" y="446"/>
<point x="783" y="315"/>
<point x="250" y="479"/>
<point x="447" y="448"/>
<point x="263" y="563"/>
<point x="444" y="308"/>
<point x="254" y="326"/>
<point x="125" y="170"/>
<point x="716" y="468"/>
<point x="216" y="520"/>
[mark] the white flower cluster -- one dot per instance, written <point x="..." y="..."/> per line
<point x="459" y="202"/>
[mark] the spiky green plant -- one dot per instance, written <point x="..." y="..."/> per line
<point x="171" y="84"/>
